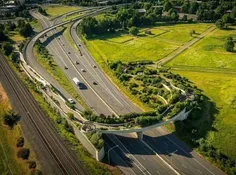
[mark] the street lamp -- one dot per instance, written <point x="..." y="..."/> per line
<point x="172" y="154"/>
<point x="109" y="151"/>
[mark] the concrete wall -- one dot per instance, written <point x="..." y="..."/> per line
<point x="98" y="155"/>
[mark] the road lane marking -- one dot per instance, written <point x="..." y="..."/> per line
<point x="158" y="172"/>
<point x="143" y="158"/>
<point x="160" y="157"/>
<point x="129" y="153"/>
<point x="199" y="171"/>
<point x="184" y="166"/>
<point x="187" y="153"/>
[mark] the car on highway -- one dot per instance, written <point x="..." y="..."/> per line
<point x="95" y="83"/>
<point x="94" y="66"/>
<point x="65" y="67"/>
<point x="71" y="101"/>
<point x="83" y="70"/>
<point x="76" y="62"/>
<point x="68" y="52"/>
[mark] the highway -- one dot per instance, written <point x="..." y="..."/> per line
<point x="133" y="156"/>
<point x="102" y="98"/>
<point x="54" y="155"/>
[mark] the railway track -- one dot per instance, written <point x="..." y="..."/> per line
<point x="60" y="153"/>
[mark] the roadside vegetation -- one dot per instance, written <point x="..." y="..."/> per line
<point x="212" y="131"/>
<point x="46" y="60"/>
<point x="24" y="154"/>
<point x="16" y="157"/>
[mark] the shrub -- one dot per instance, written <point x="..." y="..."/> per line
<point x="23" y="153"/>
<point x="32" y="164"/>
<point x="133" y="30"/>
<point x="20" y="142"/>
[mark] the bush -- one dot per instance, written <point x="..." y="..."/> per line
<point x="71" y="116"/>
<point x="32" y="164"/>
<point x="133" y="30"/>
<point x="20" y="142"/>
<point x="23" y="153"/>
<point x="10" y="119"/>
<point x="7" y="48"/>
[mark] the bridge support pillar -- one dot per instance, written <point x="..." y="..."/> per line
<point x="140" y="135"/>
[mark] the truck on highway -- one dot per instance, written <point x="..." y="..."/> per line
<point x="77" y="82"/>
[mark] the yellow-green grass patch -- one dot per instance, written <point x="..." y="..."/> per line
<point x="208" y="52"/>
<point x="16" y="37"/>
<point x="76" y="15"/>
<point x="220" y="89"/>
<point x="56" y="10"/>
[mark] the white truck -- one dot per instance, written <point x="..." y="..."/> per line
<point x="77" y="82"/>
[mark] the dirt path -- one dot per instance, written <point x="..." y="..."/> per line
<point x="184" y="47"/>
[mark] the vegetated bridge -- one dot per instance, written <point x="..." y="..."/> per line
<point x="182" y="115"/>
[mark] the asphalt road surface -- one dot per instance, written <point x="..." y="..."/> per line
<point x="103" y="98"/>
<point x="54" y="155"/>
<point x="133" y="156"/>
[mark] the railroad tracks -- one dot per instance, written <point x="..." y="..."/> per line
<point x="65" y="160"/>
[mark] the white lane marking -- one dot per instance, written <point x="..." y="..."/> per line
<point x="166" y="144"/>
<point x="158" y="172"/>
<point x="139" y="169"/>
<point x="187" y="153"/>
<point x="199" y="171"/>
<point x="143" y="158"/>
<point x="184" y="166"/>
<point x="122" y="160"/>
<point x="129" y="153"/>
<point x="160" y="157"/>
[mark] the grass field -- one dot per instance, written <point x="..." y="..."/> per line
<point x="124" y="47"/>
<point x="209" y="52"/>
<point x="15" y="37"/>
<point x="220" y="89"/>
<point x="9" y="163"/>
<point x="55" y="10"/>
<point x="73" y="16"/>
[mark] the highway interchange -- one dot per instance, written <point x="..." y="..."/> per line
<point x="159" y="153"/>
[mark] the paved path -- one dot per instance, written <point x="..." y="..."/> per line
<point x="183" y="48"/>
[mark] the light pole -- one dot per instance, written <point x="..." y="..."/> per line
<point x="172" y="154"/>
<point x="109" y="152"/>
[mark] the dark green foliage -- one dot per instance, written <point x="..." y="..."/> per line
<point x="229" y="45"/>
<point x="42" y="11"/>
<point x="68" y="127"/>
<point x="15" y="57"/>
<point x="133" y="30"/>
<point x="23" y="153"/>
<point x="220" y="24"/>
<point x="32" y="164"/>
<point x="96" y="140"/>
<point x="70" y="116"/>
<point x="10" y="119"/>
<point x="147" y="120"/>
<point x="20" y="142"/>
<point x="7" y="48"/>
<point x="26" y="30"/>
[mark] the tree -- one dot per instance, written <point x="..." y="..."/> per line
<point x="133" y="30"/>
<point x="229" y="45"/>
<point x="167" y="6"/>
<point x="185" y="7"/>
<point x="220" y="24"/>
<point x="20" y="142"/>
<point x="23" y="153"/>
<point x="10" y="118"/>
<point x="7" y="48"/>
<point x="26" y="30"/>
<point x="193" y="7"/>
<point x="15" y="57"/>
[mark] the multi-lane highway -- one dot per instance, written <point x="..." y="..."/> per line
<point x="159" y="149"/>
<point x="54" y="155"/>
